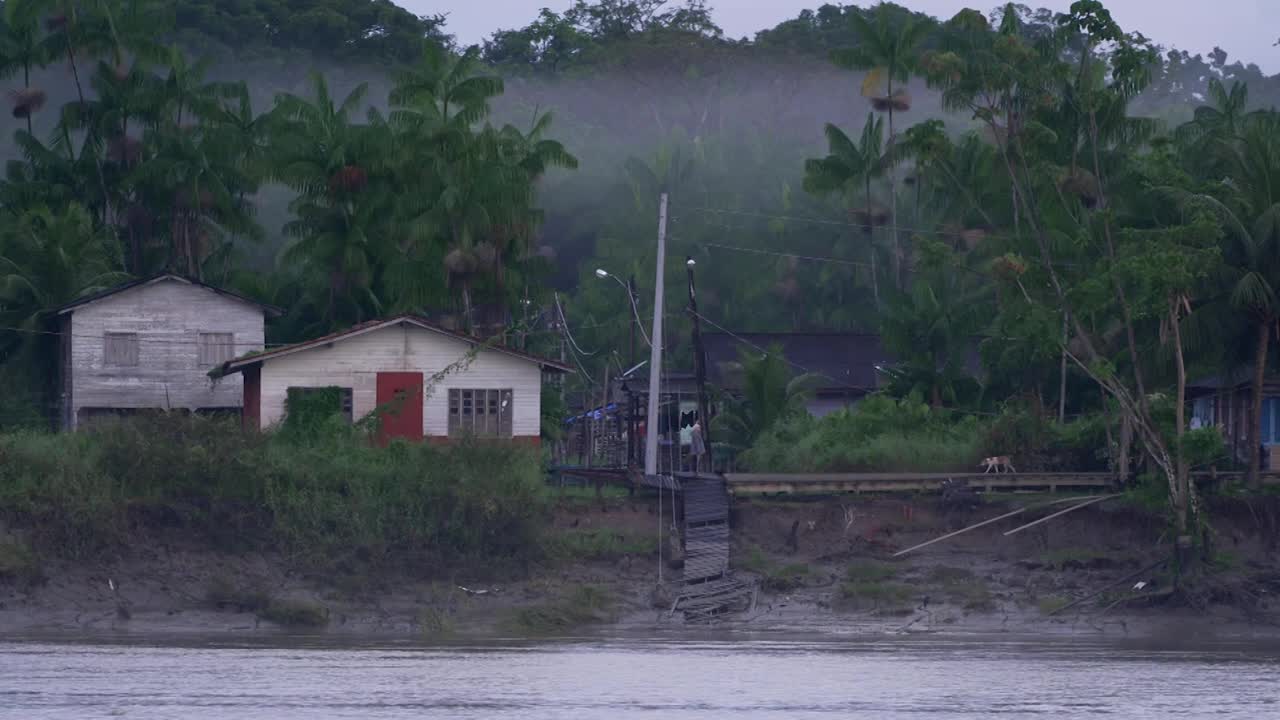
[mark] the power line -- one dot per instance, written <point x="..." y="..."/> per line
<point x="839" y="223"/>
<point x="814" y="258"/>
<point x="568" y="333"/>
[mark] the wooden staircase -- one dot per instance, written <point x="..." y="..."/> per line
<point x="708" y="589"/>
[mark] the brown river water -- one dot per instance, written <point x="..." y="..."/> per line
<point x="600" y="679"/>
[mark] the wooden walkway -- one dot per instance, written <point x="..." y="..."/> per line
<point x="836" y="483"/>
<point x="708" y="587"/>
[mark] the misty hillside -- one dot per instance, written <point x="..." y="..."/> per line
<point x="617" y="97"/>
<point x="644" y="103"/>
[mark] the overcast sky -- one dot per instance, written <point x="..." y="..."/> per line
<point x="1239" y="26"/>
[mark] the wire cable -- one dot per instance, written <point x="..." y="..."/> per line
<point x="565" y="324"/>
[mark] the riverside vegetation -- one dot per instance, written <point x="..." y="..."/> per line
<point x="1091" y="215"/>
<point x="328" y="501"/>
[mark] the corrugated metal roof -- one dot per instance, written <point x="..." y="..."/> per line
<point x="362" y="328"/>
<point x="268" y="309"/>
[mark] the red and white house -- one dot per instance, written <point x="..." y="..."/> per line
<point x="429" y="382"/>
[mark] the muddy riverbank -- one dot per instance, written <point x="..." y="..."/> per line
<point x="822" y="566"/>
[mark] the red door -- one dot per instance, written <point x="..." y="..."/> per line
<point x="399" y="406"/>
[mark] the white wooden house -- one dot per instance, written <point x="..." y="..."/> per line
<point x="427" y="381"/>
<point x="149" y="344"/>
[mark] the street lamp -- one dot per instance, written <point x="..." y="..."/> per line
<point x="631" y="298"/>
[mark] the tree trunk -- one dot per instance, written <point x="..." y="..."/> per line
<point x="1126" y="447"/>
<point x="26" y="82"/>
<point x="467" y="321"/>
<point x="871" y="229"/>
<point x="1182" y="480"/>
<point x="1253" y="432"/>
<point x="893" y="198"/>
<point x="1062" y="375"/>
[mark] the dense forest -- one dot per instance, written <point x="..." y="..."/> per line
<point x="1100" y="212"/>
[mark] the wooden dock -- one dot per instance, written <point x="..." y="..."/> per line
<point x="841" y="483"/>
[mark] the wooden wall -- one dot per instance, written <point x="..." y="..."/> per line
<point x="355" y="362"/>
<point x="168" y="316"/>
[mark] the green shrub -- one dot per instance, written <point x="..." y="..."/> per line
<point x="324" y="502"/>
<point x="224" y="594"/>
<point x="581" y="606"/>
<point x="1050" y="604"/>
<point x="1025" y="432"/>
<point x="775" y="577"/>
<point x="295" y="614"/>
<point x="870" y="571"/>
<point x="880" y="434"/>
<point x="885" y="597"/>
<point x="601" y="544"/>
<point x="19" y="565"/>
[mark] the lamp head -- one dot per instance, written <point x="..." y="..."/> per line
<point x="602" y="273"/>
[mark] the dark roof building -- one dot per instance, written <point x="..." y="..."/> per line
<point x="845" y="363"/>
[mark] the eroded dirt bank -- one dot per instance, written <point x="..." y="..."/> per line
<point x="822" y="565"/>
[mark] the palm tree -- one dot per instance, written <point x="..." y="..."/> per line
<point x="930" y="330"/>
<point x="22" y="50"/>
<point x="888" y="49"/>
<point x="1215" y="123"/>
<point x="472" y="188"/>
<point x="194" y="179"/>
<point x="770" y="393"/>
<point x="848" y="168"/>
<point x="331" y="162"/>
<point x="47" y="259"/>
<point x="184" y="93"/>
<point x="1250" y="208"/>
<point x="445" y="90"/>
<point x="51" y="258"/>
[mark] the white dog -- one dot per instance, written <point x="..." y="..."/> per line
<point x="1000" y="463"/>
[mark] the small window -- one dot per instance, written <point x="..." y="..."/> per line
<point x="480" y="413"/>
<point x="216" y="348"/>
<point x="303" y="404"/>
<point x="120" y="349"/>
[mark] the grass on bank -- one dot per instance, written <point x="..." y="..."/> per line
<point x="580" y="606"/>
<point x="327" y="498"/>
<point x="602" y="544"/>
<point x="962" y="587"/>
<point x="225" y="594"/>
<point x="18" y="565"/>
<point x="775" y="576"/>
<point x="295" y="614"/>
<point x="870" y="585"/>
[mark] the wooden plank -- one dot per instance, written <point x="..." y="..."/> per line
<point x="1073" y="508"/>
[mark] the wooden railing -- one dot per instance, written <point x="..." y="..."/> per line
<point x="830" y="483"/>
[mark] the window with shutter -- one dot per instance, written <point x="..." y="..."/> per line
<point x="120" y="349"/>
<point x="455" y="414"/>
<point x="216" y="348"/>
<point x="480" y="413"/>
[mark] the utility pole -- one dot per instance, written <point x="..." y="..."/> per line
<point x="655" y="353"/>
<point x="631" y="297"/>
<point x="700" y="369"/>
<point x="632" y="407"/>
